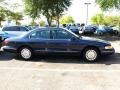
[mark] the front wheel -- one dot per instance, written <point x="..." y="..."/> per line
<point x="25" y="53"/>
<point x="91" y="54"/>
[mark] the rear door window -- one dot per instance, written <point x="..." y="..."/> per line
<point x="44" y="34"/>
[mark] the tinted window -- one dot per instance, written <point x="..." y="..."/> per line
<point x="45" y="34"/>
<point x="61" y="34"/>
<point x="23" y="29"/>
<point x="11" y="29"/>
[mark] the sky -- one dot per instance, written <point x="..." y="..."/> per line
<point x="78" y="10"/>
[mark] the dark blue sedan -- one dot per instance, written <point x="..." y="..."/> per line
<point x="57" y="40"/>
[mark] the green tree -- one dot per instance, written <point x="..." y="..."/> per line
<point x="32" y="9"/>
<point x="49" y="8"/>
<point x="2" y="15"/>
<point x="33" y="23"/>
<point x="42" y="23"/>
<point x="101" y="19"/>
<point x="16" y="17"/>
<point x="112" y="20"/>
<point x="1" y="0"/>
<point x="59" y="7"/>
<point x="67" y="20"/>
<point x="98" y="19"/>
<point x="108" y="4"/>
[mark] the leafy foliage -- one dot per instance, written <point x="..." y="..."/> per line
<point x="98" y="19"/>
<point x="49" y="8"/>
<point x="108" y="4"/>
<point x="67" y="20"/>
<point x="4" y="13"/>
<point x="101" y="19"/>
<point x="7" y="14"/>
<point x="42" y="23"/>
<point x="16" y="16"/>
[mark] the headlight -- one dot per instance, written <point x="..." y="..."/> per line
<point x="109" y="47"/>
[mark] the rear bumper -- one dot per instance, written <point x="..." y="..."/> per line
<point x="9" y="49"/>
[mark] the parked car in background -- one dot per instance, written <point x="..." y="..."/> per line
<point x="89" y="29"/>
<point x="0" y="41"/>
<point x="102" y="30"/>
<point x="4" y="35"/>
<point x="37" y="26"/>
<point x="15" y="30"/>
<point x="116" y="29"/>
<point x="74" y="29"/>
<point x="57" y="40"/>
<point x="29" y="27"/>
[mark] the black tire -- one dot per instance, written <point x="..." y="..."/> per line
<point x="88" y="54"/>
<point x="25" y="55"/>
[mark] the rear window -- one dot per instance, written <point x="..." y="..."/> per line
<point x="11" y="29"/>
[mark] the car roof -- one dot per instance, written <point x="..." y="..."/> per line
<point x="14" y="26"/>
<point x="50" y="28"/>
<point x="47" y="28"/>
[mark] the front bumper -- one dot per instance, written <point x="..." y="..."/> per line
<point x="108" y="51"/>
<point x="9" y="49"/>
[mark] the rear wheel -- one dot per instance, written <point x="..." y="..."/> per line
<point x="25" y="53"/>
<point x="91" y="54"/>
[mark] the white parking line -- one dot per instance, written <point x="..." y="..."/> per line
<point x="55" y="70"/>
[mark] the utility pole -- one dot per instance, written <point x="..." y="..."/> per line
<point x="87" y="4"/>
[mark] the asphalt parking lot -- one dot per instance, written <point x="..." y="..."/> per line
<point x="60" y="72"/>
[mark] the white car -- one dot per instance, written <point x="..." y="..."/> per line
<point x="15" y="30"/>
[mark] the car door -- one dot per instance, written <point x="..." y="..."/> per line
<point x="38" y="40"/>
<point x="60" y="41"/>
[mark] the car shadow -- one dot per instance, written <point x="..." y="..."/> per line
<point x="76" y="59"/>
<point x="64" y="58"/>
<point x="6" y="56"/>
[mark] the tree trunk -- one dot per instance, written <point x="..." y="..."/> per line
<point x="33" y="20"/>
<point x="49" y="20"/>
<point x="58" y="23"/>
<point x="58" y="14"/>
<point x="0" y="24"/>
<point x="16" y="22"/>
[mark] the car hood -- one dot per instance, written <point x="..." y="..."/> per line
<point x="94" y="40"/>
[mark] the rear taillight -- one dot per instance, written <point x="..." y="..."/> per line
<point x="5" y="43"/>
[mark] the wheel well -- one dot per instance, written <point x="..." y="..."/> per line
<point x="92" y="47"/>
<point x="24" y="46"/>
